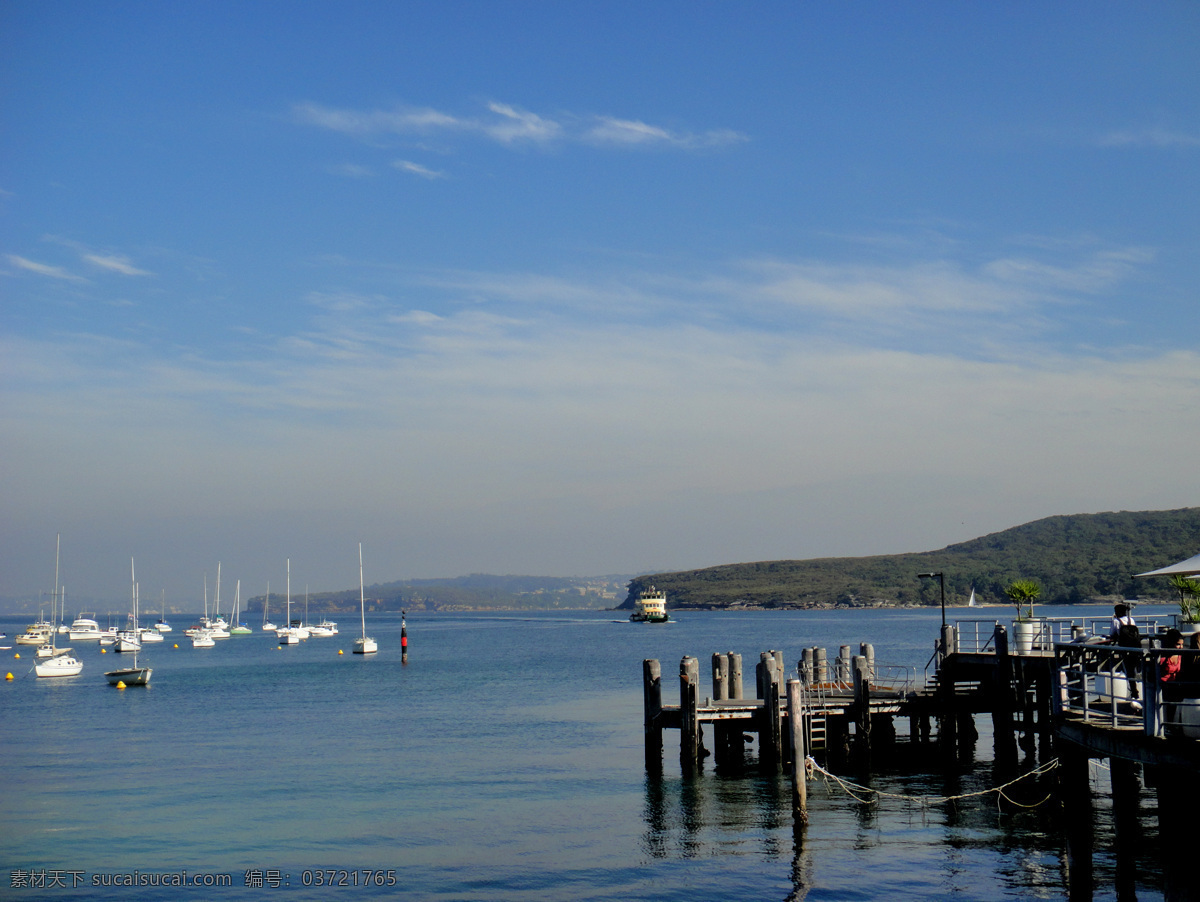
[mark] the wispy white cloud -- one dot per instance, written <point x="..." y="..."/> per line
<point x="1150" y="137"/>
<point x="359" y="123"/>
<point x="510" y="125"/>
<point x="418" y="169"/>
<point x="43" y="269"/>
<point x="632" y="133"/>
<point x="484" y="396"/>
<point x="516" y="125"/>
<point x="114" y="263"/>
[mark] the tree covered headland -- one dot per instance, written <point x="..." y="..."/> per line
<point x="1075" y="558"/>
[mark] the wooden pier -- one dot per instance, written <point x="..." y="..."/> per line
<point x="1066" y="696"/>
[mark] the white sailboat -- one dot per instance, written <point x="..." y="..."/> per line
<point x="289" y="635"/>
<point x="363" y="645"/>
<point x="64" y="664"/>
<point x="51" y="649"/>
<point x="162" y="626"/>
<point x="217" y="626"/>
<point x="201" y="635"/>
<point x="128" y="638"/>
<point x="268" y="626"/>
<point x="971" y="601"/>
<point x="238" y="628"/>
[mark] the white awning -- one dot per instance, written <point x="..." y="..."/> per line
<point x="1190" y="567"/>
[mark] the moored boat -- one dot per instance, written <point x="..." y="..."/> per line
<point x="293" y="632"/>
<point x="57" y="664"/>
<point x="364" y="644"/>
<point x="130" y="676"/>
<point x="84" y="628"/>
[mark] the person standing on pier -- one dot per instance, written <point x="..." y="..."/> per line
<point x="1125" y="633"/>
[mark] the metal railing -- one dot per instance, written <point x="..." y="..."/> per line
<point x="1122" y="688"/>
<point x="976" y="636"/>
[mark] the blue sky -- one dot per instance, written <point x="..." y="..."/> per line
<point x="584" y="288"/>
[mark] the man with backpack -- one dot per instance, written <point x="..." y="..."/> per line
<point x="1125" y="634"/>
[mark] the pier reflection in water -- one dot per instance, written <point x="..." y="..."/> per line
<point x="929" y="836"/>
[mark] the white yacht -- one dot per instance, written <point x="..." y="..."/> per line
<point x="38" y="633"/>
<point x="324" y="628"/>
<point x="84" y="628"/>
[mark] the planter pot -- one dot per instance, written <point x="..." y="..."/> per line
<point x="1187" y="627"/>
<point x="1024" y="632"/>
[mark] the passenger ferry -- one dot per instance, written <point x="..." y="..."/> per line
<point x="650" y="607"/>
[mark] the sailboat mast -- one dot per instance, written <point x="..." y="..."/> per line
<point x="362" y="604"/>
<point x="57" y="549"/>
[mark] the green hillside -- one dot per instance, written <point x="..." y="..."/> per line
<point x="1075" y="558"/>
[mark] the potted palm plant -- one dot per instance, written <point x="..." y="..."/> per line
<point x="1189" y="602"/>
<point x="1023" y="593"/>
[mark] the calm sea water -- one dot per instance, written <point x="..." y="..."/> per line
<point x="502" y="762"/>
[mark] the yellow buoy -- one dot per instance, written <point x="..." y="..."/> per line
<point x="8" y="676"/>
<point x="120" y="684"/>
<point x="177" y="645"/>
<point x="17" y="655"/>
<point x="104" y="651"/>
<point x="339" y="651"/>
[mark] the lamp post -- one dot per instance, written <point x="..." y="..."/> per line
<point x="942" y="583"/>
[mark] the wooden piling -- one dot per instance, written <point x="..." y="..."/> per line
<point x="799" y="756"/>
<point x="689" y="726"/>
<point x="652" y="709"/>
<point x="1126" y="789"/>
<point x="807" y="671"/>
<point x="770" y="728"/>
<point x="862" y="710"/>
<point x="735" y="674"/>
<point x="947" y="722"/>
<point x="1077" y="803"/>
<point x="867" y="650"/>
<point x="722" y="732"/>
<point x="821" y="665"/>
<point x="1002" y="703"/>
<point x="720" y="677"/>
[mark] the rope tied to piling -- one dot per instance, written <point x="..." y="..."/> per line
<point x="868" y="796"/>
